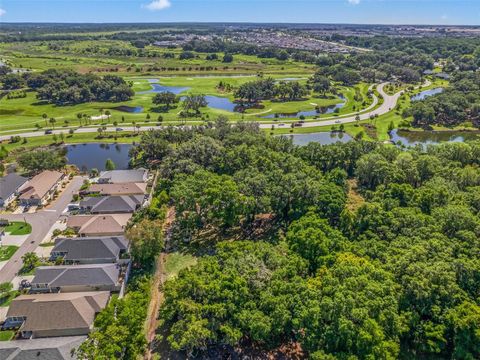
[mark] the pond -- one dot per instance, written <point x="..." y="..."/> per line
<point x="426" y="93"/>
<point x="412" y="138"/>
<point x="129" y="109"/>
<point x="218" y="102"/>
<point x="94" y="155"/>
<point x="158" y="88"/>
<point x="316" y="112"/>
<point x="324" y="138"/>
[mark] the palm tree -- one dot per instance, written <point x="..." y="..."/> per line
<point x="52" y="121"/>
<point x="79" y="117"/>
<point x="45" y="117"/>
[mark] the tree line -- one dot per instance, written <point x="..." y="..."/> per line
<point x="67" y="87"/>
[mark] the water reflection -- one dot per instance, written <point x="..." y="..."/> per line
<point x="94" y="155"/>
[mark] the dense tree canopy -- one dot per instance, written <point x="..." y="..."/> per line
<point x="395" y="274"/>
<point x="67" y="87"/>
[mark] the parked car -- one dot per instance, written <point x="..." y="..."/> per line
<point x="119" y="129"/>
<point x="48" y="132"/>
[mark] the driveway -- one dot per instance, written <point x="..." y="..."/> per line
<point x="41" y="222"/>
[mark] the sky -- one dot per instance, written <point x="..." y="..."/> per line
<point x="448" y="12"/>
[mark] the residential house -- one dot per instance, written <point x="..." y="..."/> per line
<point x="41" y="188"/>
<point x="56" y="348"/>
<point x="99" y="225"/>
<point x="123" y="176"/>
<point x="10" y="185"/>
<point x="90" y="250"/>
<point x="48" y="315"/>
<point x="112" y="204"/>
<point x="117" y="189"/>
<point x="78" y="278"/>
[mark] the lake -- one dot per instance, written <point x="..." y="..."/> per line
<point x="94" y="155"/>
<point x="129" y="109"/>
<point x="158" y="88"/>
<point x="426" y="93"/>
<point x="412" y="138"/>
<point x="218" y="102"/>
<point x="324" y="138"/>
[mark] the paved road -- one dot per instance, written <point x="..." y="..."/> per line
<point x="41" y="221"/>
<point x="389" y="103"/>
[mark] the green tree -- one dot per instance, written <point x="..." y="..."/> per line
<point x="352" y="310"/>
<point x="30" y="261"/>
<point x="146" y="241"/>
<point x="110" y="165"/>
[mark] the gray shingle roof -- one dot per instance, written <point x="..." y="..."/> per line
<point x="89" y="248"/>
<point x="123" y="176"/>
<point x="58" y="348"/>
<point x="112" y="204"/>
<point x="10" y="183"/>
<point x="93" y="275"/>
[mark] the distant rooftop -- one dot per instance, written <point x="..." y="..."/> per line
<point x="123" y="176"/>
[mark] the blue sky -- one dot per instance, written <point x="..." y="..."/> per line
<point x="311" y="11"/>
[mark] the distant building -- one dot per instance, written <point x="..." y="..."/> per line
<point x="443" y="76"/>
<point x="41" y="188"/>
<point x="90" y="250"/>
<point x="99" y="225"/>
<point x="10" y="185"/>
<point x="112" y="204"/>
<point x="77" y="278"/>
<point x="49" y="315"/>
<point x="123" y="176"/>
<point x="56" y="348"/>
<point x="117" y="189"/>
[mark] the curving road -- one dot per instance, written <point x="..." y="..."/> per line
<point x="389" y="103"/>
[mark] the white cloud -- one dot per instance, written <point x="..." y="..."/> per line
<point x="444" y="17"/>
<point x="159" y="5"/>
<point x="2" y="12"/>
<point x="354" y="2"/>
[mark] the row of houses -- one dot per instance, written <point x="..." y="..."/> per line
<point x="30" y="192"/>
<point x="63" y="300"/>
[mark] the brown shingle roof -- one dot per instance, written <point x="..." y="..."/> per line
<point x="99" y="224"/>
<point x="59" y="311"/>
<point x="40" y="184"/>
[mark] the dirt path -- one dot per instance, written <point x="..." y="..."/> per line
<point x="156" y="296"/>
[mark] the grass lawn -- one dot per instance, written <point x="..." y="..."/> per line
<point x="6" y="335"/>
<point x="176" y="262"/>
<point x="18" y="228"/>
<point x="5" y="301"/>
<point x="6" y="252"/>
